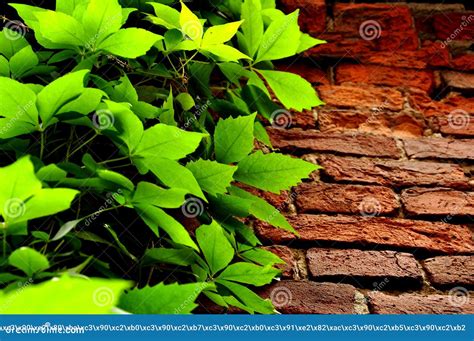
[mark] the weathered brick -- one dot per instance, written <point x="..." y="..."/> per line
<point x="399" y="270"/>
<point x="381" y="303"/>
<point x="385" y="76"/>
<point x="287" y="255"/>
<point x="431" y="54"/>
<point x="439" y="148"/>
<point x="311" y="73"/>
<point x="457" y="123"/>
<point x="454" y="106"/>
<point x="454" y="26"/>
<point x="396" y="233"/>
<point x="312" y="17"/>
<point x="450" y="271"/>
<point x="338" y="46"/>
<point x="355" y="199"/>
<point x="459" y="81"/>
<point x="383" y="122"/>
<point x="347" y="96"/>
<point x="437" y="201"/>
<point x="280" y="201"/>
<point x="303" y="297"/>
<point x="396" y="173"/>
<point x="391" y="26"/>
<point x="305" y="119"/>
<point x="312" y="140"/>
<point x="463" y="62"/>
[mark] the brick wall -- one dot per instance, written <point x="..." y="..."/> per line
<point x="386" y="225"/>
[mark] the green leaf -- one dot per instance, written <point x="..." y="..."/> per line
<point x="4" y="67"/>
<point x="263" y="210"/>
<point x="51" y="173"/>
<point x="165" y="16"/>
<point x="58" y="93"/>
<point x="272" y="172"/>
<point x="281" y="39"/>
<point x="262" y="257"/>
<point x="83" y="296"/>
<point x="174" y="175"/>
<point x="252" y="27"/>
<point x="162" y="299"/>
<point x="101" y="18"/>
<point x="249" y="298"/>
<point x="148" y="193"/>
<point x="28" y="260"/>
<point x="9" y="46"/>
<point x="155" y="217"/>
<point x="307" y="42"/>
<point x="213" y="177"/>
<point x="18" y="102"/>
<point x="190" y="24"/>
<point x="22" y="61"/>
<point x="233" y="138"/>
<point x="61" y="28"/>
<point x="285" y="85"/>
<point x="167" y="117"/>
<point x="249" y="273"/>
<point x="183" y="257"/>
<point x="186" y="101"/>
<point x="220" y="34"/>
<point x="119" y="42"/>
<point x="225" y="52"/>
<point x="215" y="247"/>
<point x="167" y="142"/>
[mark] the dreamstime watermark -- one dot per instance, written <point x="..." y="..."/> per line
<point x="378" y="286"/>
<point x="370" y="207"/>
<point x="190" y="299"/>
<point x="15" y="30"/>
<point x="192" y="208"/>
<point x="116" y="20"/>
<point x="111" y="198"/>
<point x="370" y="30"/>
<point x="22" y="111"/>
<point x="281" y="296"/>
<point x="11" y="298"/>
<point x="103" y="119"/>
<point x="103" y="296"/>
<point x="281" y="119"/>
<point x="14" y="208"/>
<point x="275" y="36"/>
<point x="458" y="119"/>
<point x="458" y="296"/>
<point x="466" y="21"/>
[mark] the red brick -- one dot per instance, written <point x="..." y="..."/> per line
<point x="439" y="148"/>
<point x="312" y="17"/>
<point x="385" y="76"/>
<point x="383" y="122"/>
<point x="303" y="297"/>
<point x="355" y="199"/>
<point x="431" y="54"/>
<point x="425" y="236"/>
<point x="463" y="62"/>
<point x="305" y="119"/>
<point x="437" y="201"/>
<point x="450" y="271"/>
<point x="311" y="73"/>
<point x="453" y="104"/>
<point x="290" y="268"/>
<point x="454" y="26"/>
<point x="364" y="268"/>
<point x="312" y="140"/>
<point x="349" y="96"/>
<point x="339" y="46"/>
<point x="381" y="303"/>
<point x="280" y="201"/>
<point x="396" y="173"/>
<point x="458" y="80"/>
<point x="458" y="123"/>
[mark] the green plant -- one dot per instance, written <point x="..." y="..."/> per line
<point x="142" y="143"/>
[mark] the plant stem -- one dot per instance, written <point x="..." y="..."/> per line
<point x="41" y="144"/>
<point x="82" y="145"/>
<point x="114" y="160"/>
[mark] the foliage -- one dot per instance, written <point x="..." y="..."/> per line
<point x="131" y="137"/>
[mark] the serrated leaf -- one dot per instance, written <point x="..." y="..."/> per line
<point x="249" y="273"/>
<point x="272" y="172"/>
<point x="225" y="52"/>
<point x="233" y="138"/>
<point x="252" y="27"/>
<point x="22" y="61"/>
<point x="148" y="193"/>
<point x="190" y="24"/>
<point x="162" y="299"/>
<point x="249" y="298"/>
<point x="220" y="34"/>
<point x="213" y="177"/>
<point x="215" y="246"/>
<point x="28" y="260"/>
<point x="285" y="85"/>
<point x="101" y="18"/>
<point x="61" y="28"/>
<point x="119" y="42"/>
<point x="165" y="15"/>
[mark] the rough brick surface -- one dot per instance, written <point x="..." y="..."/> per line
<point x="393" y="172"/>
<point x="437" y="201"/>
<point x="458" y="123"/>
<point x="454" y="26"/>
<point x="381" y="303"/>
<point x="449" y="271"/>
<point x="384" y="122"/>
<point x="364" y="268"/>
<point x="289" y="269"/>
<point x="308" y="71"/>
<point x="459" y="80"/>
<point x="347" y="96"/>
<point x="385" y="76"/>
<point x="312" y="14"/>
<point x="463" y="62"/>
<point x="352" y="199"/>
<point x="314" y="141"/>
<point x="389" y="232"/>
<point x="303" y="297"/>
<point x="436" y="148"/>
